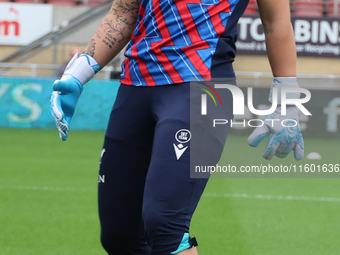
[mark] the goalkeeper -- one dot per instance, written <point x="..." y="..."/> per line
<point x="148" y="198"/>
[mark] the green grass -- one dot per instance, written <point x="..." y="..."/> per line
<point x="35" y="218"/>
<point x="48" y="202"/>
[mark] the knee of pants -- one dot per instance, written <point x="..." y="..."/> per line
<point x="153" y="220"/>
<point x="118" y="243"/>
<point x="164" y="227"/>
<point x="113" y="241"/>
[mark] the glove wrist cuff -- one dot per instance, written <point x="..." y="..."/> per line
<point x="82" y="68"/>
<point x="284" y="82"/>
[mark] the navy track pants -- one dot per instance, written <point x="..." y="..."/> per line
<point x="146" y="195"/>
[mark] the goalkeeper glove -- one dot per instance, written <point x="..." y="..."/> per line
<point x="67" y="90"/>
<point x="283" y="130"/>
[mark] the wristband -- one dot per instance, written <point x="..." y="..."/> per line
<point x="284" y="82"/>
<point x="82" y="68"/>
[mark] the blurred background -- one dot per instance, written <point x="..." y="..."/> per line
<point x="38" y="38"/>
<point x="39" y="35"/>
<point x="48" y="201"/>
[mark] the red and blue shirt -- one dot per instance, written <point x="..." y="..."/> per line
<point x="176" y="41"/>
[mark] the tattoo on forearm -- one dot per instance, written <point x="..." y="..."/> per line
<point x="119" y="22"/>
<point x="132" y="7"/>
<point x="269" y="30"/>
<point x="90" y="48"/>
<point x="98" y="31"/>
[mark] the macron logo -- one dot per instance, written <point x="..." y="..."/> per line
<point x="181" y="136"/>
<point x="179" y="150"/>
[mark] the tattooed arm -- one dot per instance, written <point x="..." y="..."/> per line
<point x="114" y="31"/>
<point x="280" y="42"/>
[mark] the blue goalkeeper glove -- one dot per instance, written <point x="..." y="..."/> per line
<point x="67" y="90"/>
<point x="283" y="136"/>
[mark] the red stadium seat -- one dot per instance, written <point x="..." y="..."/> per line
<point x="309" y="8"/>
<point x="61" y="2"/>
<point x="55" y="2"/>
<point x="22" y="1"/>
<point x="251" y="8"/>
<point x="331" y="8"/>
<point x="92" y="2"/>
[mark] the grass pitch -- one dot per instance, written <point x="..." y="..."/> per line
<point x="48" y="200"/>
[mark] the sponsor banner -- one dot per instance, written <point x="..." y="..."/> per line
<point x="314" y="36"/>
<point x="25" y="103"/>
<point x="21" y="24"/>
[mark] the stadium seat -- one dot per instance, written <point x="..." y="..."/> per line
<point x="62" y="2"/>
<point x="56" y="2"/>
<point x="251" y="8"/>
<point x="330" y="8"/>
<point x="91" y="2"/>
<point x="22" y="1"/>
<point x="308" y="8"/>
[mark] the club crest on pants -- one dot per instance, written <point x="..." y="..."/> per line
<point x="182" y="136"/>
